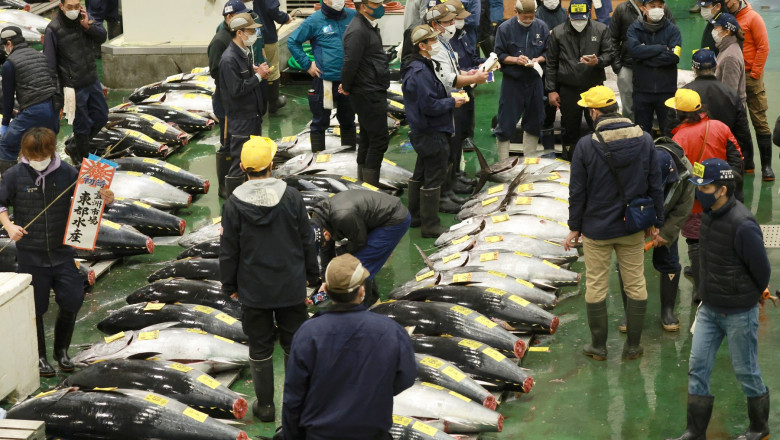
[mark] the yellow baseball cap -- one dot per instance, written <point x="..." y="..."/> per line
<point x="597" y="97"/>
<point x="685" y="100"/>
<point x="258" y="153"/>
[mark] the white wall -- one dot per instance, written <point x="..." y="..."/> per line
<point x="179" y="22"/>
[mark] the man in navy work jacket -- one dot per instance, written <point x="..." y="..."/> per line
<point x="325" y="31"/>
<point x="346" y="365"/>
<point x="596" y="212"/>
<point x="734" y="270"/>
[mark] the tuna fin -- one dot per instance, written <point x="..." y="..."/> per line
<point x="511" y="190"/>
<point x="144" y="355"/>
<point x="178" y="68"/>
<point x="425" y="258"/>
<point x="549" y="168"/>
<point x="543" y="284"/>
<point x="231" y="422"/>
<point x="484" y="170"/>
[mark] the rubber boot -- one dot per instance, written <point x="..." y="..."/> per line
<point x="764" y="142"/>
<point x="263" y="378"/>
<point x="669" y="284"/>
<point x="461" y="185"/>
<point x="360" y="172"/>
<point x="371" y="176"/>
<point x="467" y="145"/>
<point x="447" y="190"/>
<point x="758" y="413"/>
<point x="275" y="100"/>
<point x="622" y="326"/>
<point x="465" y="179"/>
<point x="693" y="255"/>
<point x="530" y="145"/>
<point x="699" y="413"/>
<point x="44" y="367"/>
<point x="317" y="141"/>
<point x="635" y="319"/>
<point x="223" y="166"/>
<point x="502" y="149"/>
<point x="233" y="182"/>
<point x="597" y="321"/>
<point x="430" y="224"/>
<point x="349" y="138"/>
<point x="414" y="202"/>
<point x="79" y="149"/>
<point x="5" y="165"/>
<point x="63" y="333"/>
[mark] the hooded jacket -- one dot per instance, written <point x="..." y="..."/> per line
<point x="267" y="249"/>
<point x="731" y="66"/>
<point x="624" y="16"/>
<point x="656" y="55"/>
<point x="756" y="46"/>
<point x="678" y="195"/>
<point x="595" y="206"/>
<point x="429" y="107"/>
<point x="325" y="30"/>
<point x="567" y="46"/>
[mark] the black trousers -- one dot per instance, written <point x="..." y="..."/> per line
<point x="371" y="109"/>
<point x="433" y="152"/>
<point x="258" y="324"/>
<point x="63" y="278"/>
<point x="571" y="116"/>
<point x="464" y="127"/>
<point x="238" y="132"/>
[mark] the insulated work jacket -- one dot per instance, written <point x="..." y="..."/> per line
<point x="365" y="67"/>
<point x="656" y="55"/>
<point x="624" y="16"/>
<point x="326" y="36"/>
<point x="428" y="105"/>
<point x="567" y="46"/>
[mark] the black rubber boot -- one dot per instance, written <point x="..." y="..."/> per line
<point x="447" y="189"/>
<point x="622" y="326"/>
<point x="414" y="202"/>
<point x="371" y="176"/>
<point x="233" y="182"/>
<point x="461" y="185"/>
<point x="317" y="141"/>
<point x="764" y="142"/>
<point x="44" y="367"/>
<point x="63" y="333"/>
<point x="758" y="413"/>
<point x="669" y="284"/>
<point x="360" y="172"/>
<point x="699" y="413"/>
<point x="693" y="255"/>
<point x="263" y="378"/>
<point x="349" y="138"/>
<point x="430" y="224"/>
<point x="467" y="145"/>
<point x="597" y="321"/>
<point x="463" y="178"/>
<point x="79" y="149"/>
<point x="635" y="319"/>
<point x="223" y="166"/>
<point x="5" y="165"/>
<point x="275" y="100"/>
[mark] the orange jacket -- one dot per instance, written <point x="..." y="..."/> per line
<point x="756" y="46"/>
<point x="690" y="136"/>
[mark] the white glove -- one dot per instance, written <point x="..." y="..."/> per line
<point x="596" y="4"/>
<point x="70" y="104"/>
<point x="538" y="69"/>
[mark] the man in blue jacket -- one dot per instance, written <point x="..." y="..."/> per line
<point x="345" y="366"/>
<point x="654" y="43"/>
<point x="521" y="45"/>
<point x="596" y="212"/>
<point x="735" y="271"/>
<point x="325" y="30"/>
<point x="270" y="15"/>
<point x="266" y="259"/>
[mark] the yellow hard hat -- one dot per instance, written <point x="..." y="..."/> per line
<point x="258" y="153"/>
<point x="597" y="97"/>
<point x="685" y="100"/>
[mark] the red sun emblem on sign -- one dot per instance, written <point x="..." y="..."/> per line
<point x="100" y="171"/>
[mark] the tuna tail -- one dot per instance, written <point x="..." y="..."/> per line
<point x="178" y="68"/>
<point x="425" y="258"/>
<point x="484" y="170"/>
<point x="511" y="190"/>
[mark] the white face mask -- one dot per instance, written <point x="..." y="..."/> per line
<point x="337" y="4"/>
<point x="248" y="5"/>
<point x="251" y="40"/>
<point x="72" y="15"/>
<point x="449" y="32"/>
<point x="523" y="23"/>
<point x="579" y="25"/>
<point x="655" y="15"/>
<point x="706" y="13"/>
<point x="716" y="36"/>
<point x="435" y="48"/>
<point x="551" y="4"/>
<point x="40" y="165"/>
<point x="459" y="24"/>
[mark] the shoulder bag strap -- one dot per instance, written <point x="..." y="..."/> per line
<point x="704" y="145"/>
<point x="608" y="156"/>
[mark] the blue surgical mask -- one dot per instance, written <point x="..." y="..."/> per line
<point x="707" y="200"/>
<point x="378" y="13"/>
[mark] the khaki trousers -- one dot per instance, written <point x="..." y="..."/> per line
<point x="272" y="58"/>
<point x="757" y="103"/>
<point x="598" y="265"/>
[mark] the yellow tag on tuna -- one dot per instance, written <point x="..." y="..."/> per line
<point x="461" y="278"/>
<point x="172" y="167"/>
<point x="196" y="330"/>
<point x="494" y="239"/>
<point x="396" y="104"/>
<point x="229" y="341"/>
<point x="195" y="414"/>
<point x="287" y="139"/>
<point x="227" y="319"/>
<point x="209" y="381"/>
<point x="425" y="276"/>
<point x="555" y="176"/>
<point x="554" y="266"/>
<point x="558" y="199"/>
<point x="460" y="396"/>
<point x="142" y="204"/>
<point x="432" y="385"/>
<point x="369" y="186"/>
<point x="495" y="291"/>
<point x="460" y="240"/>
<point x="462" y="310"/>
<point x="149" y="336"/>
<point x="533" y="160"/>
<point x="495" y="189"/>
<point x="105" y="389"/>
<point x="523" y="201"/>
<point x="523" y="254"/>
<point x="497" y="274"/>
<point x="425" y="429"/>
<point x="153" y="306"/>
<point x="180" y="367"/>
<point x="485" y="321"/>
<point x="157" y="400"/>
<point x="160" y="127"/>
<point x="451" y="257"/>
<point x="349" y="179"/>
<point x="454" y="374"/>
<point x="495" y="355"/>
<point x="323" y="158"/>
<point x="470" y="343"/>
<point x="522" y="301"/>
<point x="111" y="224"/>
<point x="156" y="180"/>
<point x="524" y="187"/>
<point x="115" y="337"/>
<point x="489" y="201"/>
<point x="552" y="243"/>
<point x="431" y="362"/>
<point x="151" y="161"/>
<point x="500" y="218"/>
<point x="204" y="309"/>
<point x="216" y="220"/>
<point x="490" y="256"/>
<point x="403" y="421"/>
<point x="525" y="283"/>
<point x="539" y="349"/>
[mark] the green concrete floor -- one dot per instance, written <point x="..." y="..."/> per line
<point x="574" y="397"/>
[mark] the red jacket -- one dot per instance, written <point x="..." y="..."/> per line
<point x="720" y="143"/>
<point x="756" y="46"/>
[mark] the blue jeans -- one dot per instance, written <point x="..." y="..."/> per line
<point x="666" y="259"/>
<point x="380" y="245"/>
<point x="38" y="115"/>
<point x="741" y="329"/>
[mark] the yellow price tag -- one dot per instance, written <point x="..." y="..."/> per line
<point x="142" y="204"/>
<point x="216" y="220"/>
<point x="523" y="201"/>
<point x="554" y="266"/>
<point x="204" y="309"/>
<point x="558" y="199"/>
<point x="196" y="330"/>
<point x="497" y="274"/>
<point x="209" y="381"/>
<point x="149" y="118"/>
<point x="156" y="180"/>
<point x="229" y="341"/>
<point x="191" y="96"/>
<point x="432" y="385"/>
<point x="105" y="389"/>
<point x="555" y="176"/>
<point x="495" y="355"/>
<point x="431" y="362"/>
<point x="388" y="161"/>
<point x="451" y="257"/>
<point x="153" y="306"/>
<point x="287" y="139"/>
<point x="461" y="278"/>
<point x="111" y="224"/>
<point x="539" y="349"/>
<point x="323" y="158"/>
<point x="524" y="187"/>
<point x="489" y="201"/>
<point x="462" y="310"/>
<point x="495" y="291"/>
<point x="470" y="344"/>
<point x="525" y="283"/>
<point x="460" y="240"/>
<point x="495" y="189"/>
<point x="157" y="400"/>
<point x="46" y="393"/>
<point x="698" y="170"/>
<point x="172" y="167"/>
<point x="490" y="256"/>
<point x="396" y="104"/>
<point x="533" y="160"/>
<point x="499" y="218"/>
<point x="522" y="301"/>
<point x="160" y="127"/>
<point x="195" y="414"/>
<point x="151" y="161"/>
<point x="349" y="179"/>
<point x="180" y="367"/>
<point x="485" y="321"/>
<point x="227" y="319"/>
<point x="494" y="239"/>
<point x="403" y="421"/>
<point x="149" y="336"/>
<point x="460" y="396"/>
<point x="425" y="429"/>
<point x="523" y="254"/>
<point x="454" y="374"/>
<point x="552" y="243"/>
<point x="115" y="337"/>
<point x="369" y="186"/>
<point x="425" y="276"/>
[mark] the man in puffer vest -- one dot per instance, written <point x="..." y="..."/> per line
<point x="734" y="271"/>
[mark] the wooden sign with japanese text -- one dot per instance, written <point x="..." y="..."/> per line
<point x="86" y="208"/>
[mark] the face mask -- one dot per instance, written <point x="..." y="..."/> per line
<point x="435" y="48"/>
<point x="377" y="13"/>
<point x="655" y="15"/>
<point x="716" y="36"/>
<point x="551" y="4"/>
<point x="72" y="15"/>
<point x="251" y="40"/>
<point x="40" y="165"/>
<point x="459" y="24"/>
<point x="706" y="13"/>
<point x="707" y="200"/>
<point x="449" y="32"/>
<point x="579" y="25"/>
<point x="248" y="5"/>
<point x="523" y="23"/>
<point x="337" y="4"/>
